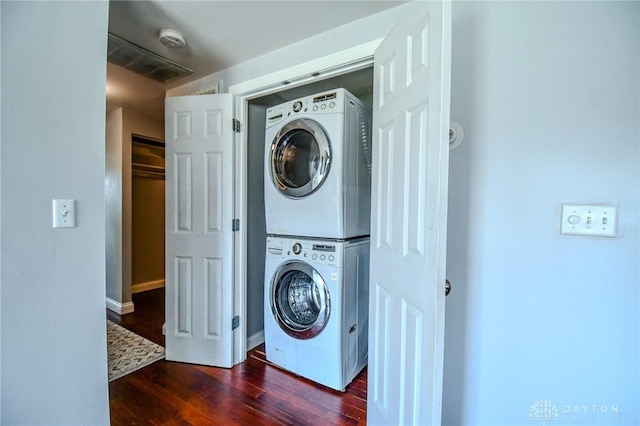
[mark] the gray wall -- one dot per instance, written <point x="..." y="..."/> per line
<point x="548" y="94"/>
<point x="116" y="158"/>
<point x="53" y="347"/>
<point x="256" y="228"/>
<point x="0" y="217"/>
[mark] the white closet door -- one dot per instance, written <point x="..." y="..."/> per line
<point x="199" y="235"/>
<point x="409" y="211"/>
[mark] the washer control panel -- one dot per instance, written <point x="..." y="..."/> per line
<point x="312" y="251"/>
<point x="327" y="102"/>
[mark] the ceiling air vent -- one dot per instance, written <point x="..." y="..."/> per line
<point x="142" y="61"/>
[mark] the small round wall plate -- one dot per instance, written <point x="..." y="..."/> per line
<point x="456" y="135"/>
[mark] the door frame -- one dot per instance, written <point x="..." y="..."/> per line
<point x="334" y="65"/>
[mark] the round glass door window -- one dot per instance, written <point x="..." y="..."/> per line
<point x="300" y="158"/>
<point x="300" y="300"/>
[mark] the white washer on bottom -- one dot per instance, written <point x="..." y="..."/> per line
<point x="317" y="307"/>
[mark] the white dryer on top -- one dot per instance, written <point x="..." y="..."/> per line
<point x="318" y="167"/>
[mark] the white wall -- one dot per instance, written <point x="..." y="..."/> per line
<point x="53" y="345"/>
<point x="549" y="97"/>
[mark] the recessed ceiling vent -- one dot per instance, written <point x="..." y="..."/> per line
<point x="142" y="61"/>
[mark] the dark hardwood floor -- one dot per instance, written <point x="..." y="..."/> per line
<point x="148" y="317"/>
<point x="251" y="393"/>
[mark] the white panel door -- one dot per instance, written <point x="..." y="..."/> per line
<point x="409" y="211"/>
<point x="199" y="235"/>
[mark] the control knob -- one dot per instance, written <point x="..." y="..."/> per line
<point x="297" y="248"/>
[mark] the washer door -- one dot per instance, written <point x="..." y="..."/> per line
<point x="300" y="158"/>
<point x="300" y="300"/>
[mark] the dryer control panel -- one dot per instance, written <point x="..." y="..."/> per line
<point x="327" y="102"/>
<point x="311" y="251"/>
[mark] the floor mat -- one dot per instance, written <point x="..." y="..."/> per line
<point x="128" y="352"/>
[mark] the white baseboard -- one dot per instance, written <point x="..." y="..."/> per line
<point x="147" y="285"/>
<point x="255" y="340"/>
<point x="119" y="308"/>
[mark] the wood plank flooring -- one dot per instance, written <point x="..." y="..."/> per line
<point x="251" y="393"/>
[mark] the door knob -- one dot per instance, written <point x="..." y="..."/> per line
<point x="447" y="287"/>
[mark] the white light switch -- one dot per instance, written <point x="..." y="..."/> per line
<point x="586" y="219"/>
<point x="64" y="213"/>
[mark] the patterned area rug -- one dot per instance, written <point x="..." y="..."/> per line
<point x="128" y="352"/>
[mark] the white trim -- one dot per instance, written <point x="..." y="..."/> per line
<point x="147" y="285"/>
<point x="255" y="340"/>
<point x="119" y="308"/>
<point x="342" y="62"/>
<point x="318" y="69"/>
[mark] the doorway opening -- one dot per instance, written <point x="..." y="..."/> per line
<point x="360" y="84"/>
<point x="147" y="213"/>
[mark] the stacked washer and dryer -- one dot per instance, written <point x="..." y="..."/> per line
<point x="317" y="209"/>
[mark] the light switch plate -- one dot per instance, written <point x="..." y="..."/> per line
<point x="589" y="219"/>
<point x="64" y="213"/>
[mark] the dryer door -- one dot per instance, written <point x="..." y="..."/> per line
<point x="300" y="300"/>
<point x="300" y="158"/>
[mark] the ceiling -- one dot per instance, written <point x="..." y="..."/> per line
<point x="219" y="34"/>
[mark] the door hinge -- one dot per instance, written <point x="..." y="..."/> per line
<point x="235" y="225"/>
<point x="235" y="322"/>
<point x="236" y="125"/>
